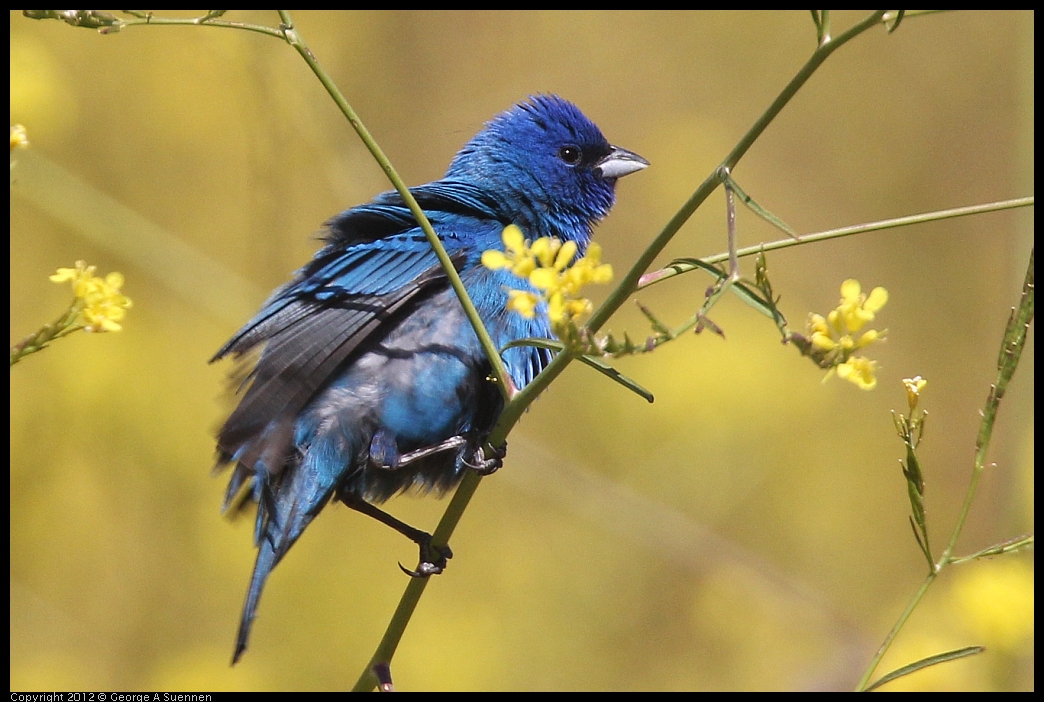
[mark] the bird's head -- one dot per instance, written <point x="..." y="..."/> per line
<point x="548" y="165"/>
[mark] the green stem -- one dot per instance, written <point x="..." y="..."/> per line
<point x="109" y="24"/>
<point x="415" y="588"/>
<point x="63" y="326"/>
<point x="678" y="268"/>
<point x="910" y="607"/>
<point x="492" y="353"/>
<point x="1011" y="351"/>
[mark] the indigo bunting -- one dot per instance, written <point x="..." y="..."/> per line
<point x="371" y="380"/>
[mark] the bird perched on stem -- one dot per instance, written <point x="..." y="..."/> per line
<point x="370" y="379"/>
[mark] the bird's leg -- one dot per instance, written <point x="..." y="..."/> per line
<point x="453" y="443"/>
<point x="428" y="565"/>
<point x="478" y="462"/>
<point x="385" y="454"/>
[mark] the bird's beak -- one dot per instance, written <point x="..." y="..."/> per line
<point x="620" y="162"/>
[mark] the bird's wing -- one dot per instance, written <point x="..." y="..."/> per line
<point x="377" y="264"/>
<point x="388" y="215"/>
<point x="311" y="327"/>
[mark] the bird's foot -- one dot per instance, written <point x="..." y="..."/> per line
<point x="429" y="565"/>
<point x="486" y="466"/>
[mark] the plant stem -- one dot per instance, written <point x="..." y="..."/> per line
<point x="678" y="267"/>
<point x="1011" y="351"/>
<point x="492" y="353"/>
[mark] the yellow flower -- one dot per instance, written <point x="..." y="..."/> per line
<point x="860" y="371"/>
<point x="104" y="306"/>
<point x="858" y="309"/>
<point x="914" y="386"/>
<point x="561" y="310"/>
<point x="552" y="253"/>
<point x="522" y="302"/>
<point x="516" y="254"/>
<point x="819" y="333"/>
<point x="831" y="341"/>
<point x="868" y="338"/>
<point x="99" y="299"/>
<point x="548" y="265"/>
<point x="80" y="276"/>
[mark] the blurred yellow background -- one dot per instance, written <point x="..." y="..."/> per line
<point x="748" y="530"/>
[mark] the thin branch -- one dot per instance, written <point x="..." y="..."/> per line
<point x="499" y="371"/>
<point x="681" y="266"/>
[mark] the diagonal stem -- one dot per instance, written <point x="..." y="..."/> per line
<point x="295" y="40"/>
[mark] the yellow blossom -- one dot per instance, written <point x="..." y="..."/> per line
<point x="832" y="341"/>
<point x="101" y="304"/>
<point x="80" y="276"/>
<point x="522" y="302"/>
<point x="104" y="305"/>
<point x="548" y="265"/>
<point x="914" y="386"/>
<point x="858" y="309"/>
<point x="860" y="371"/>
<point x="97" y="306"/>
<point x="819" y="333"/>
<point x="868" y="338"/>
<point x="516" y="254"/>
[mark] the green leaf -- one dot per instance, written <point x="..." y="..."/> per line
<point x="1011" y="545"/>
<point x="762" y="212"/>
<point x="657" y="325"/>
<point x="743" y="290"/>
<point x="533" y="341"/>
<point x="1016" y="331"/>
<point x="926" y="662"/>
<point x="894" y="24"/>
<point x="592" y="361"/>
<point x="921" y="544"/>
<point x="613" y="374"/>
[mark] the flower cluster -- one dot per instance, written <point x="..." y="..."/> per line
<point x="548" y="265"/>
<point x="98" y="300"/>
<point x="834" y="342"/>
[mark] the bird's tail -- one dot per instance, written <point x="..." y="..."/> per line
<point x="266" y="561"/>
<point x="296" y="501"/>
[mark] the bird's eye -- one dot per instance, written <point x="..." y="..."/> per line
<point x="570" y="154"/>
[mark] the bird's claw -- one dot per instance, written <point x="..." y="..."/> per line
<point x="487" y="466"/>
<point x="423" y="570"/>
<point x="428" y="565"/>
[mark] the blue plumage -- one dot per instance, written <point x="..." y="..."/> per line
<point x="370" y="379"/>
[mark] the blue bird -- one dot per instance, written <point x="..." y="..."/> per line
<point x="370" y="380"/>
